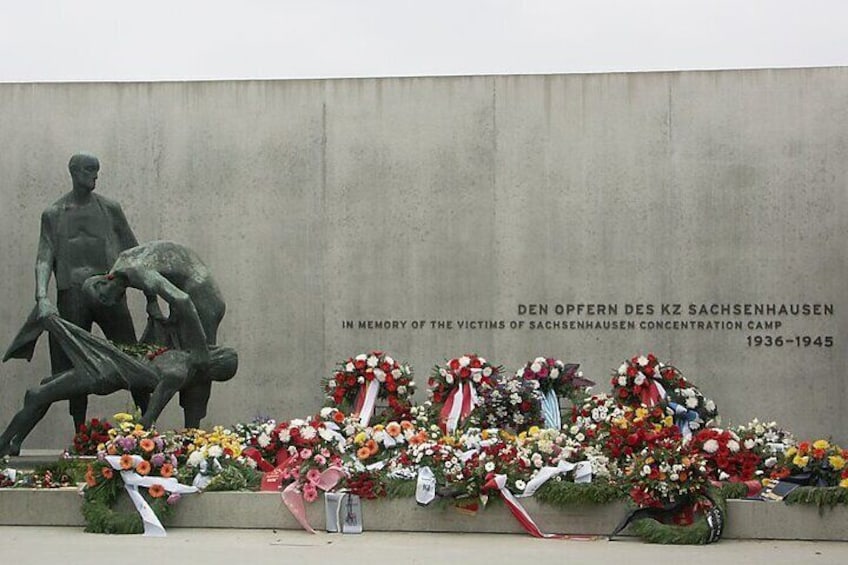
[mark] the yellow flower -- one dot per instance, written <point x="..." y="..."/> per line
<point x="360" y="438"/>
<point x="799" y="461"/>
<point x="379" y="428"/>
<point x="843" y="483"/>
<point x="641" y="413"/>
<point x="790" y="452"/>
<point x="122" y="417"/>
<point x="668" y="421"/>
<point x="522" y="437"/>
<point x="836" y="461"/>
<point x="534" y="430"/>
<point x="821" y="444"/>
<point x="485" y="434"/>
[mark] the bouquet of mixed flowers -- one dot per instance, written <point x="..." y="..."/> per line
<point x="513" y="404"/>
<point x="455" y="388"/>
<point x="725" y="455"/>
<point x="819" y="463"/>
<point x="636" y="431"/>
<point x="555" y="380"/>
<point x="691" y="410"/>
<point x="667" y="474"/>
<point x="591" y="421"/>
<point x="90" y="437"/>
<point x="549" y="447"/>
<point x="257" y="438"/>
<point x="361" y="380"/>
<point x="203" y="455"/>
<point x="767" y="440"/>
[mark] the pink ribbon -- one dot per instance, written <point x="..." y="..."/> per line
<point x="293" y="498"/>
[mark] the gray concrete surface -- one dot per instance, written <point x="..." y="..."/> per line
<point x="69" y="545"/>
<point x="460" y="198"/>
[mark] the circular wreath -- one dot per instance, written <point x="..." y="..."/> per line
<point x="635" y="382"/>
<point x="511" y="403"/>
<point x="469" y="369"/>
<point x="553" y="374"/>
<point x="100" y="496"/>
<point x="354" y="374"/>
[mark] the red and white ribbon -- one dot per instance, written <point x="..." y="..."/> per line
<point x="365" y="401"/>
<point x="653" y="393"/>
<point x="459" y="405"/>
<point x="499" y="482"/>
<point x="132" y="481"/>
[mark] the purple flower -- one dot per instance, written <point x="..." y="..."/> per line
<point x="158" y="459"/>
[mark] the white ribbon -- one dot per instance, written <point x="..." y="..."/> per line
<point x="204" y="476"/>
<point x="132" y="480"/>
<point x="370" y="400"/>
<point x="582" y="474"/>
<point x="550" y="409"/>
<point x="425" y="487"/>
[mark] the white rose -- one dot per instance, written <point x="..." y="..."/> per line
<point x="263" y="440"/>
<point x="770" y="462"/>
<point x="389" y="360"/>
<point x="733" y="445"/>
<point x="536" y="367"/>
<point x="476" y="377"/>
<point x="622" y="381"/>
<point x="711" y="406"/>
<point x="464" y="361"/>
<point x="361" y="357"/>
<point x="554" y="373"/>
<point x="372" y="361"/>
<point x="307" y="432"/>
<point x="622" y="369"/>
<point x="349" y="367"/>
<point x="520" y="485"/>
<point x="691" y="402"/>
<point x="487" y="372"/>
<point x="360" y="380"/>
<point x="285" y="436"/>
<point x="216" y="451"/>
<point x="639" y="379"/>
<point x="749" y="443"/>
<point x="449" y="379"/>
<point x="723" y="476"/>
<point x="643" y="361"/>
<point x="396" y="373"/>
<point x="326" y="411"/>
<point x="331" y="384"/>
<point x="401" y="389"/>
<point x="380" y="375"/>
<point x="490" y="466"/>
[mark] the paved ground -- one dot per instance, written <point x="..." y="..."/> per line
<point x="69" y="546"/>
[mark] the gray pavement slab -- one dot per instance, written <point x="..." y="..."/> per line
<point x="24" y="545"/>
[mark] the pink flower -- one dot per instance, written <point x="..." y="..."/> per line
<point x="305" y="453"/>
<point x="313" y="476"/>
<point x="310" y="492"/>
<point x="320" y="459"/>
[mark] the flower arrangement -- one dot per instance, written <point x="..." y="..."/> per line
<point x="591" y="421"/>
<point x="548" y="447"/>
<point x="691" y="410"/>
<point x="643" y="380"/>
<point x="768" y="440"/>
<point x="378" y="443"/>
<point x="513" y="404"/>
<point x="667" y="474"/>
<point x="818" y="463"/>
<point x="454" y="388"/>
<point x="203" y="456"/>
<point x="89" y="436"/>
<point x="257" y="438"/>
<point x="637" y="430"/>
<point x="725" y="455"/>
<point x="350" y="386"/>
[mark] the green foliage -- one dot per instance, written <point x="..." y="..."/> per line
<point x="820" y="496"/>
<point x="72" y="468"/>
<point x="234" y="477"/>
<point x="564" y="493"/>
<point x="101" y="517"/>
<point x="730" y="491"/>
<point x="399" y="488"/>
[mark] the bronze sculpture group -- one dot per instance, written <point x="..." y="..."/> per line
<point x="86" y="244"/>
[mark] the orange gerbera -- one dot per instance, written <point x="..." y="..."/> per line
<point x="372" y="446"/>
<point x="107" y="472"/>
<point x="393" y="429"/>
<point x="127" y="462"/>
<point x="418" y="438"/>
<point x="363" y="453"/>
<point x="143" y="467"/>
<point x="90" y="480"/>
<point x="167" y="470"/>
<point x="156" y="491"/>
<point x="147" y="445"/>
<point x="338" y="416"/>
<point x="112" y="450"/>
<point x="406" y="425"/>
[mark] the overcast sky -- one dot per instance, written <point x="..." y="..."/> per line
<point x="123" y="40"/>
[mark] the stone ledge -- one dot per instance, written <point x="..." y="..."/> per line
<point x="746" y="519"/>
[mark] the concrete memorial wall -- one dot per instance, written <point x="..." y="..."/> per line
<point x="700" y="216"/>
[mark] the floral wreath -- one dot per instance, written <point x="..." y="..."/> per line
<point x="643" y="380"/>
<point x="455" y="388"/>
<point x="360" y="380"/>
<point x="512" y="404"/>
<point x="555" y="380"/>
